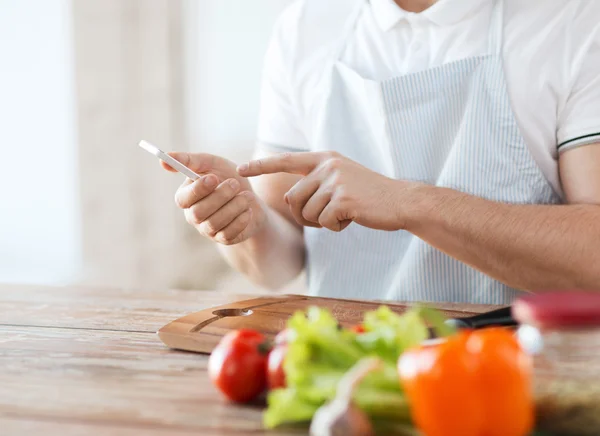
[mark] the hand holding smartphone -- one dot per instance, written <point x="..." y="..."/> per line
<point x="152" y="149"/>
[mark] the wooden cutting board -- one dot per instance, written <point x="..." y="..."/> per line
<point x="201" y="331"/>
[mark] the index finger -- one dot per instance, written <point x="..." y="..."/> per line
<point x="293" y="163"/>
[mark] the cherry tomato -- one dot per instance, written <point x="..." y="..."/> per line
<point x="238" y="365"/>
<point x="276" y="374"/>
<point x="359" y="329"/>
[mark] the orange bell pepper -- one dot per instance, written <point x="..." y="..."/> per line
<point x="470" y="384"/>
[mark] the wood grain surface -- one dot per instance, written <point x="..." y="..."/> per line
<point x="201" y="331"/>
<point x="81" y="361"/>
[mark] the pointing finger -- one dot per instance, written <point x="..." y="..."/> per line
<point x="292" y="163"/>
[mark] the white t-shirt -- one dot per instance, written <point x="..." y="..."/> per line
<point x="551" y="52"/>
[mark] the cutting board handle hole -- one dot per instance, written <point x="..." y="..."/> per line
<point x="232" y="312"/>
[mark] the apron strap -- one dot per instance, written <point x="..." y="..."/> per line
<point x="495" y="38"/>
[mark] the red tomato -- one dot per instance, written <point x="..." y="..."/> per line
<point x="238" y="365"/>
<point x="359" y="329"/>
<point x="276" y="374"/>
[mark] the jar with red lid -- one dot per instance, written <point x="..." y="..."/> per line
<point x="562" y="330"/>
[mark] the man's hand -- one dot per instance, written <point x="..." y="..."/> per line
<point x="335" y="190"/>
<point x="221" y="204"/>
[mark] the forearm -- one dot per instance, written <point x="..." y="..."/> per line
<point x="272" y="257"/>
<point x="531" y="247"/>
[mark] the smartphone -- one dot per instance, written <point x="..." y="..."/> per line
<point x="168" y="159"/>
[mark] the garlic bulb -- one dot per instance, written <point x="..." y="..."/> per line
<point x="341" y="417"/>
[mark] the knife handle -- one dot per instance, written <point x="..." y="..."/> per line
<point x="498" y="317"/>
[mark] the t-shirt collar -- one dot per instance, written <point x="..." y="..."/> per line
<point x="444" y="12"/>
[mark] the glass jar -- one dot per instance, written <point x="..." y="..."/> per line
<point x="562" y="330"/>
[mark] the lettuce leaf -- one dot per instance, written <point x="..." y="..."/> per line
<point x="320" y="353"/>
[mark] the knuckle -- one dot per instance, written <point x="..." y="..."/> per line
<point x="244" y="218"/>
<point x="341" y="195"/>
<point x="233" y="235"/>
<point x="195" y="219"/>
<point x="209" y="228"/>
<point x="333" y="226"/>
<point x="179" y="201"/>
<point x="257" y="165"/>
<point x="286" y="157"/>
<point x="230" y="188"/>
<point x="243" y="201"/>
<point x="198" y="190"/>
<point x="325" y="223"/>
<point x="330" y="190"/>
<point x="226" y="240"/>
<point x="337" y="180"/>
<point x="309" y="216"/>
<point x="249" y="196"/>
<point x="333" y="163"/>
<point x="342" y="214"/>
<point x="189" y="217"/>
<point x="333" y="154"/>
<point x="292" y="198"/>
<point x="195" y="215"/>
<point x="227" y="237"/>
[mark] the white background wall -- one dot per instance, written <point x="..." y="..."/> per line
<point x="226" y="43"/>
<point x="39" y="228"/>
<point x="83" y="80"/>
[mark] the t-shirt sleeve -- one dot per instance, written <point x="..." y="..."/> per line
<point x="279" y="125"/>
<point x="579" y="121"/>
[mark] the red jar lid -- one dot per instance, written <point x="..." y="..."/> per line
<point x="558" y="309"/>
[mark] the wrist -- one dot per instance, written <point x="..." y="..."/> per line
<point x="269" y="227"/>
<point x="261" y="221"/>
<point x="415" y="203"/>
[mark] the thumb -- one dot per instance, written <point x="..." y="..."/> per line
<point x="198" y="162"/>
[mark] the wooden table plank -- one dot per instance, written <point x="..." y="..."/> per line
<point x="109" y="377"/>
<point x="100" y="308"/>
<point x="20" y="426"/>
<point x="28" y="426"/>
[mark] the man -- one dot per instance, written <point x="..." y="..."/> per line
<point x="434" y="151"/>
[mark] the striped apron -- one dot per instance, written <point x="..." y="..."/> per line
<point x="449" y="126"/>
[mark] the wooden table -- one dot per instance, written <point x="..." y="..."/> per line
<point x="87" y="361"/>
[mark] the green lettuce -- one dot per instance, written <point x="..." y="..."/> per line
<point x="320" y="353"/>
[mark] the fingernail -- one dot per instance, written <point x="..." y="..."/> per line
<point x="234" y="183"/>
<point x="209" y="181"/>
<point x="243" y="167"/>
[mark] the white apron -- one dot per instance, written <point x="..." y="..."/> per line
<point x="449" y="126"/>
